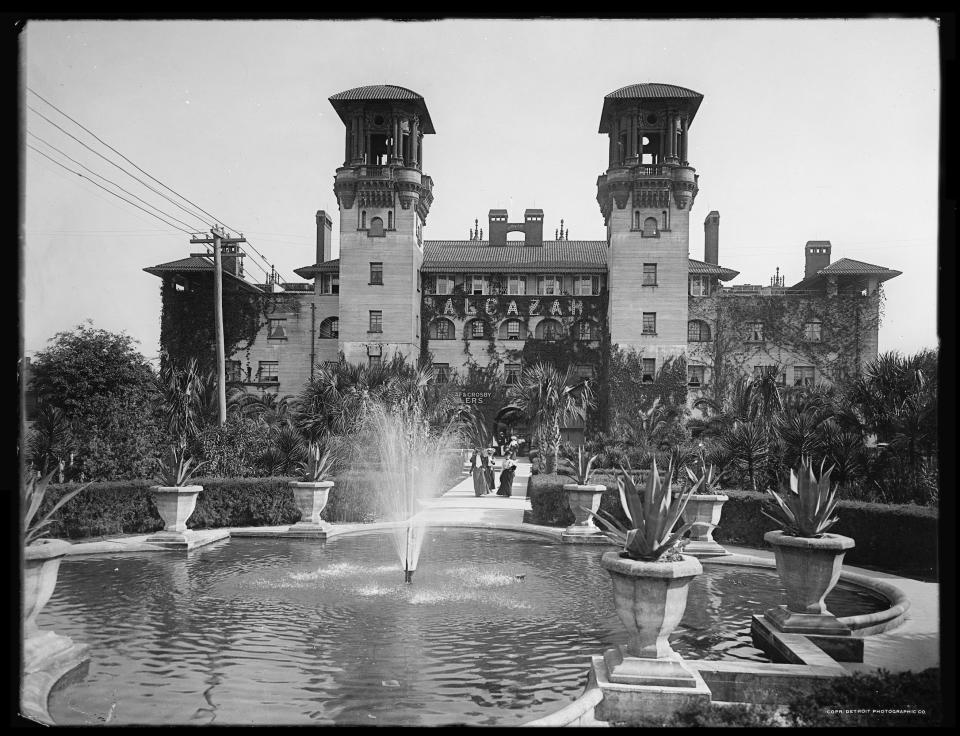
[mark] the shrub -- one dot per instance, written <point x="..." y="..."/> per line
<point x="711" y="715"/>
<point x="231" y="451"/>
<point x="866" y="699"/>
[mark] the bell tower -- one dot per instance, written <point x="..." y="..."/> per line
<point x="384" y="200"/>
<point x="645" y="197"/>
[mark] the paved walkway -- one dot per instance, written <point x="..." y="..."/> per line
<point x="461" y="504"/>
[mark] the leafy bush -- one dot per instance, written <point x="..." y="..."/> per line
<point x="863" y="700"/>
<point x="231" y="451"/>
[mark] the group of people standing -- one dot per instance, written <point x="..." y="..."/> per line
<point x="481" y="466"/>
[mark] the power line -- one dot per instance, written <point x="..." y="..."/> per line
<point x="114" y="163"/>
<point x="185" y="199"/>
<point x="188" y="232"/>
<point x="139" y="199"/>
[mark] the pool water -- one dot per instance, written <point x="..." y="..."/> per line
<point x="496" y="629"/>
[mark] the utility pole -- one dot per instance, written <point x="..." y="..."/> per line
<point x="219" y="239"/>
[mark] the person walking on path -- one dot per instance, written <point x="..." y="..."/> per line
<point x="506" y="476"/>
<point x="487" y="461"/>
<point x="477" y="470"/>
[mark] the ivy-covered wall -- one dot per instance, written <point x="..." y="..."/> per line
<point x="848" y="335"/>
<point x="187" y="318"/>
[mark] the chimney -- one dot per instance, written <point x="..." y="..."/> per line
<point x="817" y="256"/>
<point x="533" y="227"/>
<point x="498" y="227"/>
<point x="711" y="238"/>
<point x="324" y="237"/>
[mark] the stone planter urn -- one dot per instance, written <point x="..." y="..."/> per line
<point x="41" y="567"/>
<point x="809" y="568"/>
<point x="311" y="498"/>
<point x="650" y="598"/>
<point x="703" y="511"/>
<point x="579" y="498"/>
<point x="175" y="504"/>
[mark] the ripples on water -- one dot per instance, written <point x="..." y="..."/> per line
<point x="272" y="631"/>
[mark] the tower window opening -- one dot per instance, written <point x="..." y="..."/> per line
<point x="363" y="220"/>
<point x="376" y="228"/>
<point x="650" y="227"/>
<point x="636" y="220"/>
<point x="663" y="217"/>
<point x="379" y="149"/>
<point x="390" y="220"/>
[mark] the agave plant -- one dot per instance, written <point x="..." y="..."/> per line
<point x="706" y="481"/>
<point x="653" y="512"/>
<point x="34" y="490"/>
<point x="319" y="465"/>
<point x="175" y="467"/>
<point x="582" y="472"/>
<point x="807" y="505"/>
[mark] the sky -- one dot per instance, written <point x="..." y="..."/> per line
<point x="808" y="130"/>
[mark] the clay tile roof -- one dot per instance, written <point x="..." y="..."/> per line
<point x="193" y="264"/>
<point x="700" y="267"/>
<point x="851" y="267"/>
<point x="307" y="272"/>
<point x="567" y="255"/>
<point x="382" y="92"/>
<point x="649" y="91"/>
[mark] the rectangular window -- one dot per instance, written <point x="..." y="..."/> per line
<point x="584" y="371"/>
<point x="478" y="284"/>
<point x="759" y="371"/>
<point x="513" y="329"/>
<point x="329" y="283"/>
<point x="696" y="375"/>
<point x="517" y="284"/>
<point x="441" y="372"/>
<point x="476" y="328"/>
<point x="649" y="274"/>
<point x="512" y="373"/>
<point x="812" y="331"/>
<point x="233" y="371"/>
<point x="755" y="332"/>
<point x="444" y="282"/>
<point x="802" y="375"/>
<point x="585" y="331"/>
<point x="649" y="323"/>
<point x="276" y="330"/>
<point x="548" y="285"/>
<point x="376" y="273"/>
<point x="586" y="285"/>
<point x="269" y="371"/>
<point x="649" y="369"/>
<point x="376" y="321"/>
<point x="373" y="360"/>
<point x="699" y="286"/>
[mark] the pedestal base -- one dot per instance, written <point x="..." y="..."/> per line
<point x="47" y="657"/>
<point x="583" y="535"/>
<point x="704" y="549"/>
<point x="789" y="622"/>
<point x="780" y="645"/>
<point x="188" y="540"/>
<point x="308" y="530"/>
<point x="635" y="687"/>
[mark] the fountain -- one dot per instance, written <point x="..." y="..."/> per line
<point x="412" y="459"/>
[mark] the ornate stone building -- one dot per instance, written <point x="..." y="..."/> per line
<point x="499" y="303"/>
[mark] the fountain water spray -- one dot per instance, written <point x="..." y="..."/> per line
<point x="412" y="460"/>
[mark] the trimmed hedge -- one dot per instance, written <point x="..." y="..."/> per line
<point x="126" y="507"/>
<point x="898" y="538"/>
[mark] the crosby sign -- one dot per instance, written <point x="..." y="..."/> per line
<point x="475" y="397"/>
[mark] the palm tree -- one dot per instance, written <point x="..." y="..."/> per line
<point x="50" y="440"/>
<point x="550" y="399"/>
<point x="186" y="395"/>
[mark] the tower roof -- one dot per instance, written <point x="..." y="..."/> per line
<point x="649" y="91"/>
<point x="382" y="93"/>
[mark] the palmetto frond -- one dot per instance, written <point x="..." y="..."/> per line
<point x="805" y="507"/>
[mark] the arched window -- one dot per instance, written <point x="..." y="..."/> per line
<point x="477" y="329"/>
<point x="329" y="329"/>
<point x="586" y="331"/>
<point x="390" y="220"/>
<point x="549" y="329"/>
<point x="650" y="227"/>
<point x="363" y="220"/>
<point x="441" y="329"/>
<point x="698" y="331"/>
<point x="512" y="329"/>
<point x="376" y="228"/>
